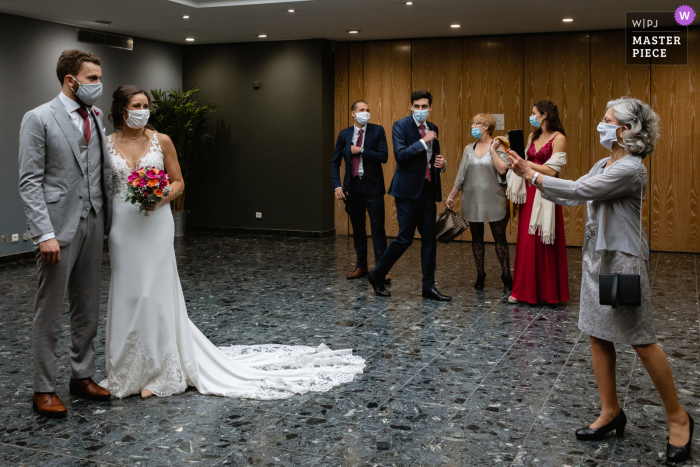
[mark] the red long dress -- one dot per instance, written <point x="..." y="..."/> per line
<point x="540" y="271"/>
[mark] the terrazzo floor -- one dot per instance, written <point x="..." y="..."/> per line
<point x="474" y="382"/>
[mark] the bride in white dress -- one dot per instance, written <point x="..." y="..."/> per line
<point x="152" y="347"/>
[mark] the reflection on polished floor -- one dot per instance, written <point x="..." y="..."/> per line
<point x="468" y="383"/>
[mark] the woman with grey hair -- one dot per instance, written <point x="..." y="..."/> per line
<point x="615" y="241"/>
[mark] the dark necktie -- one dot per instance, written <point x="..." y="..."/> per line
<point x="428" y="175"/>
<point x="83" y="112"/>
<point x="356" y="157"/>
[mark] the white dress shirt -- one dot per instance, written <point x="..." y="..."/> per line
<point x="428" y="146"/>
<point x="355" y="136"/>
<point x="72" y="108"/>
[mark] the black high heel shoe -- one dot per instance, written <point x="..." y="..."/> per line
<point x="507" y="282"/>
<point x="479" y="285"/>
<point x="680" y="453"/>
<point x="592" y="434"/>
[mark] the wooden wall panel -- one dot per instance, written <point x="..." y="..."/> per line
<point x="557" y="68"/>
<point x="437" y="68"/>
<point x="387" y="89"/>
<point x="579" y="72"/>
<point x="612" y="79"/>
<point x="493" y="83"/>
<point x="675" y="169"/>
<point x="341" y="121"/>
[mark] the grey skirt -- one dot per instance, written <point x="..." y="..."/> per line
<point x="622" y="325"/>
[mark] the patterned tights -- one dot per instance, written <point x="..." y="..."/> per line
<point x="498" y="229"/>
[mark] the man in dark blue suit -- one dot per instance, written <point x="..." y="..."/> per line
<point x="416" y="188"/>
<point x="364" y="148"/>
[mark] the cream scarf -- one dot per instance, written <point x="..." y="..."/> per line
<point x="542" y="219"/>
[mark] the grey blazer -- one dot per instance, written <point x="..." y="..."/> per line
<point x="49" y="171"/>
<point x="618" y="184"/>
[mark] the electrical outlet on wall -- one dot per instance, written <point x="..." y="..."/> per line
<point x="25" y="237"/>
<point x="15" y="237"/>
<point x="258" y="215"/>
<point x="4" y="238"/>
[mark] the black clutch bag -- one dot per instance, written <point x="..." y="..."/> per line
<point x="620" y="289"/>
<point x="617" y="288"/>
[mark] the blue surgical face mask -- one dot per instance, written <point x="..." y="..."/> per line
<point x="608" y="134"/>
<point x="476" y="133"/>
<point x="87" y="93"/>
<point x="421" y="115"/>
<point x="534" y="122"/>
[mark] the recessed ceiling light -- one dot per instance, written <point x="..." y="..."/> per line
<point x="454" y="26"/>
<point x="353" y="32"/>
<point x="409" y="3"/>
<point x="262" y="36"/>
<point x="186" y="17"/>
<point x="567" y="20"/>
<point x="291" y="11"/>
<point x="190" y="39"/>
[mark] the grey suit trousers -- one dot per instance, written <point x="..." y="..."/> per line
<point x="79" y="272"/>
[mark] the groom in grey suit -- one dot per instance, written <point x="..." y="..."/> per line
<point x="65" y="181"/>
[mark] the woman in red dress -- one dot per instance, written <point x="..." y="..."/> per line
<point x="540" y="271"/>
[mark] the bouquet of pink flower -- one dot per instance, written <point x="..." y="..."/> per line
<point x="147" y="186"/>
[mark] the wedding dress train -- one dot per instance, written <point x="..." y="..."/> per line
<point x="152" y="344"/>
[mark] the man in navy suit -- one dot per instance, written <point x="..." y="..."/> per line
<point x="364" y="148"/>
<point x="416" y="188"/>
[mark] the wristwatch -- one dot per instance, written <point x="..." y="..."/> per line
<point x="362" y="150"/>
<point x="534" y="177"/>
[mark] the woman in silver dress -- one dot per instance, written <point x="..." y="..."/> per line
<point x="613" y="193"/>
<point x="482" y="181"/>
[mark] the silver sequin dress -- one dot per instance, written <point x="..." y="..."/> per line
<point x="483" y="188"/>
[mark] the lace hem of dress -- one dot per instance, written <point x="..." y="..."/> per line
<point x="330" y="368"/>
<point x="140" y="371"/>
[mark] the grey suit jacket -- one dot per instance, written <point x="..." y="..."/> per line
<point x="620" y="186"/>
<point x="50" y="172"/>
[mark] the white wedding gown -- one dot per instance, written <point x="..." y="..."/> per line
<point x="152" y="344"/>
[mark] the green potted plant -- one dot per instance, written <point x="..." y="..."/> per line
<point x="175" y="113"/>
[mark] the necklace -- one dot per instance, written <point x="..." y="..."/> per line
<point x="134" y="137"/>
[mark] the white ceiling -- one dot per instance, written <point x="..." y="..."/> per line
<point x="243" y="20"/>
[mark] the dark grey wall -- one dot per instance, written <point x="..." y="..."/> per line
<point x="29" y="50"/>
<point x="272" y="147"/>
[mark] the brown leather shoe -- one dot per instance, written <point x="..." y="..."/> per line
<point x="358" y="273"/>
<point x="88" y="389"/>
<point x="49" y="405"/>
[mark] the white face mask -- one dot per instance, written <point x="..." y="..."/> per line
<point x="137" y="118"/>
<point x="608" y="134"/>
<point x="362" y="117"/>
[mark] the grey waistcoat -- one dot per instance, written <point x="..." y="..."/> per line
<point x="91" y="160"/>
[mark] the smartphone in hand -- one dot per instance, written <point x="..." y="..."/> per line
<point x="517" y="142"/>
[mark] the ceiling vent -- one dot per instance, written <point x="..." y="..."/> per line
<point x="103" y="38"/>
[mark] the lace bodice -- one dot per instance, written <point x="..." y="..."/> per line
<point x="543" y="155"/>
<point x="153" y="157"/>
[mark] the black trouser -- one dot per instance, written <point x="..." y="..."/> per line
<point x="414" y="213"/>
<point x="362" y="200"/>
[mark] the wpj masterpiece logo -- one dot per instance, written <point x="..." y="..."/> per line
<point x="659" y="37"/>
